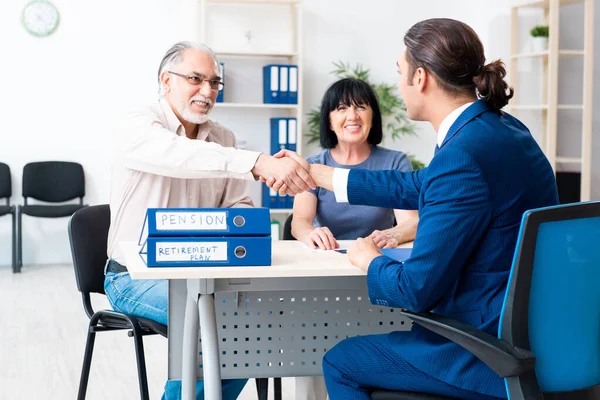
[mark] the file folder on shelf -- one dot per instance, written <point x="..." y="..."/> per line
<point x="220" y="98"/>
<point x="269" y="197"/>
<point x="283" y="84"/>
<point x="179" y="237"/>
<point x="271" y="84"/>
<point x="223" y="251"/>
<point x="293" y="85"/>
<point x="284" y="135"/>
<point x="279" y="135"/>
<point x="292" y="130"/>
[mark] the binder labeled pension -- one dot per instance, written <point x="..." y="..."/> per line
<point x="190" y="237"/>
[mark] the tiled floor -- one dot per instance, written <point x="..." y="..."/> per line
<point x="43" y="329"/>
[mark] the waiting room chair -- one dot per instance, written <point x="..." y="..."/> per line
<point x="88" y="233"/>
<point x="548" y="344"/>
<point x="51" y="182"/>
<point x="6" y="192"/>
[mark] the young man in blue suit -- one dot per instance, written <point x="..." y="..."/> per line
<point x="486" y="172"/>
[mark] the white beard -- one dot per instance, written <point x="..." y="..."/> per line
<point x="190" y="116"/>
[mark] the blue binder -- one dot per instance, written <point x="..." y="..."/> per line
<point x="183" y="222"/>
<point x="209" y="251"/>
<point x="293" y="84"/>
<point x="271" y="84"/>
<point x="284" y="91"/>
<point x="220" y="98"/>
<point x="177" y="237"/>
<point x="269" y="197"/>
<point x="279" y="138"/>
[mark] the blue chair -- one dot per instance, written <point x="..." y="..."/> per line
<point x="548" y="344"/>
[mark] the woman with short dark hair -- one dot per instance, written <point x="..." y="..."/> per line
<point x="351" y="130"/>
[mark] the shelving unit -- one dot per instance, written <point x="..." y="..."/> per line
<point x="549" y="106"/>
<point x="290" y="55"/>
<point x="258" y="105"/>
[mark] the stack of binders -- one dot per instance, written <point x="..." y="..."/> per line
<point x="280" y="84"/>
<point x="206" y="237"/>
<point x="284" y="132"/>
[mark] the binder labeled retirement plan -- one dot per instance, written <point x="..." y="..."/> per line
<point x="209" y="251"/>
<point x="180" y="237"/>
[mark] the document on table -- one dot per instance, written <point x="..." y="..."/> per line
<point x="398" y="254"/>
<point x="344" y="244"/>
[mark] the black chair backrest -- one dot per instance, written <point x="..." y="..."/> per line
<point x="53" y="181"/>
<point x="88" y="234"/>
<point x="287" y="228"/>
<point x="5" y="184"/>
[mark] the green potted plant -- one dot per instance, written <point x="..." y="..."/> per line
<point x="393" y="109"/>
<point x="539" y="35"/>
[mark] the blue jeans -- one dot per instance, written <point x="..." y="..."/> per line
<point x="149" y="299"/>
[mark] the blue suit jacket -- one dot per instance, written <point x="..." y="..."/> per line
<point x="488" y="171"/>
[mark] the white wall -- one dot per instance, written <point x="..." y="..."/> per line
<point x="63" y="94"/>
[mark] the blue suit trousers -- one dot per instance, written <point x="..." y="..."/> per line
<point x="356" y="365"/>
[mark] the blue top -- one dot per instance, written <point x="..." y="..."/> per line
<point x="348" y="222"/>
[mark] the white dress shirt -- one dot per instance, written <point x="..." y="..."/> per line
<point x="340" y="175"/>
<point x="156" y="165"/>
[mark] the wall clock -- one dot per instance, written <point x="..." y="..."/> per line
<point x="40" y="18"/>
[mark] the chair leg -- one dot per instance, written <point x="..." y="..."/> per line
<point x="262" y="388"/>
<point x="141" y="362"/>
<point x="14" y="241"/>
<point x="19" y="239"/>
<point x="277" y="388"/>
<point x="87" y="363"/>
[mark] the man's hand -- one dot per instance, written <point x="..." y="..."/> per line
<point x="362" y="252"/>
<point x="320" y="174"/>
<point x="321" y="238"/>
<point x="385" y="239"/>
<point x="291" y="172"/>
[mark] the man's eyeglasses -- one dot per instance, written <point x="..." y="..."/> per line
<point x="215" y="84"/>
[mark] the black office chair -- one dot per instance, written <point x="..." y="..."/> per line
<point x="547" y="345"/>
<point x="6" y="192"/>
<point x="51" y="182"/>
<point x="88" y="233"/>
<point x="287" y="228"/>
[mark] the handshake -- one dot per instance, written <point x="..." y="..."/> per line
<point x="287" y="173"/>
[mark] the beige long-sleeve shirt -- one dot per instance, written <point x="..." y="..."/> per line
<point x="156" y="165"/>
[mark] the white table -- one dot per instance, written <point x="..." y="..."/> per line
<point x="295" y="268"/>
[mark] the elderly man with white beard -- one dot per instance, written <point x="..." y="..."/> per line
<point x="170" y="154"/>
